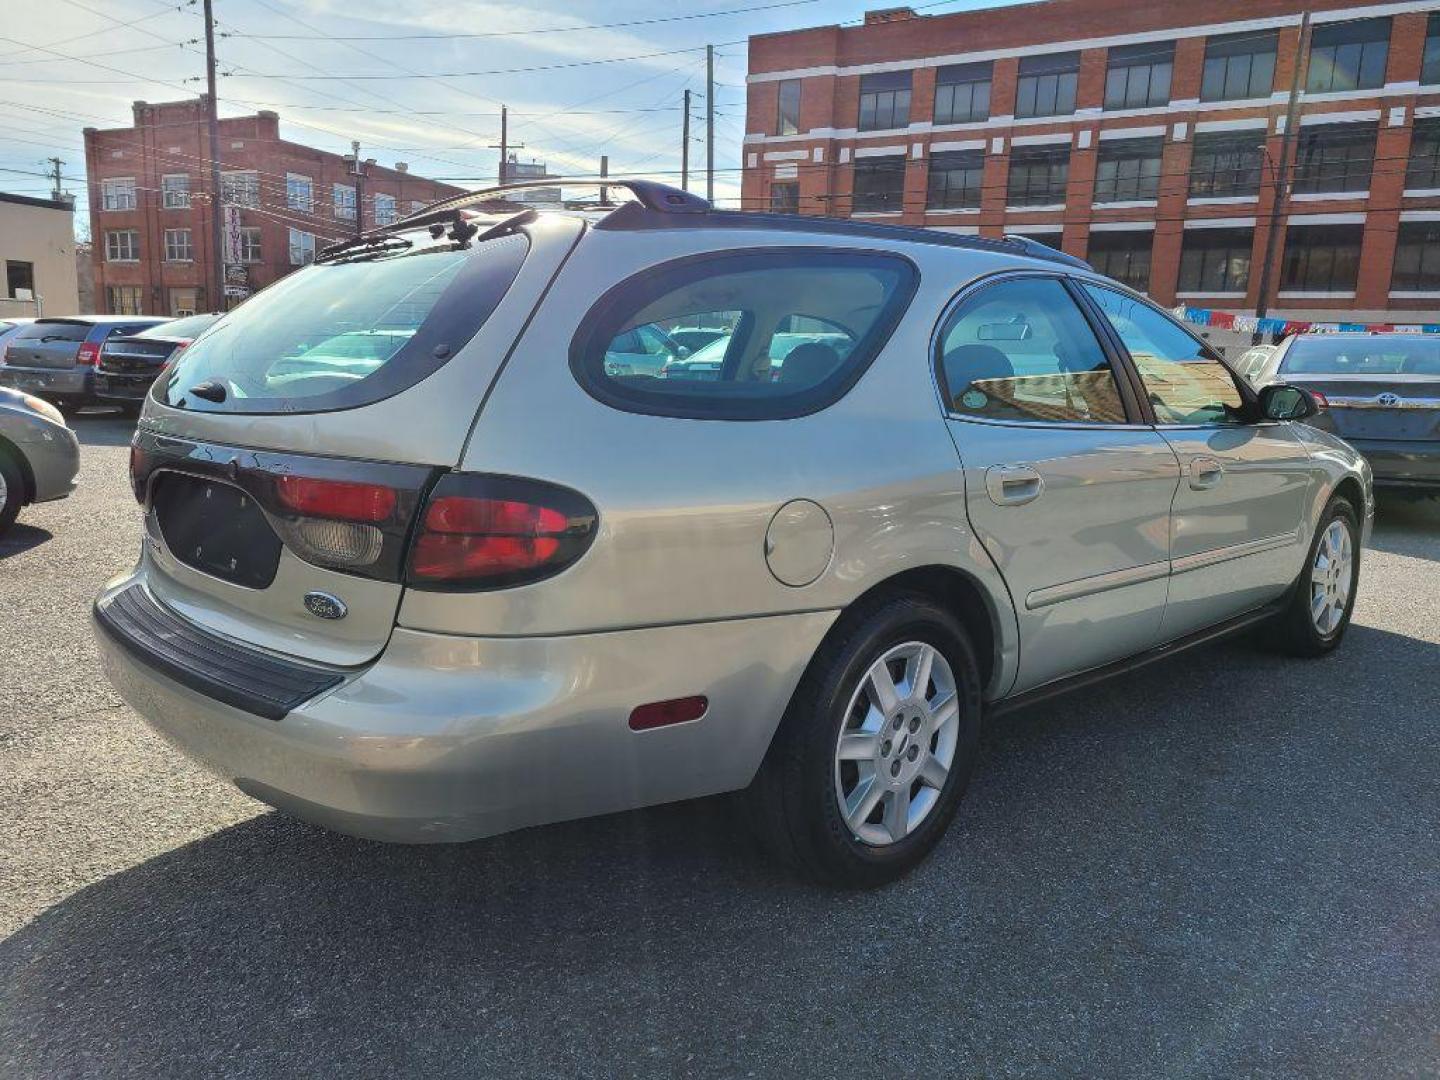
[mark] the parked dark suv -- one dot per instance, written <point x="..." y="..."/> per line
<point x="129" y="363"/>
<point x="56" y="357"/>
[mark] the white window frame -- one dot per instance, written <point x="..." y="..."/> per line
<point x="248" y="181"/>
<point x="117" y="193"/>
<point x="178" y="197"/>
<point x="112" y="236"/>
<point x="343" y="196"/>
<point x="387" y="209"/>
<point x="295" y="183"/>
<point x="302" y="243"/>
<point x="250" y="253"/>
<point x="183" y="312"/>
<point x="174" y="245"/>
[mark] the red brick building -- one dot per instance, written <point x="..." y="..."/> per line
<point x="1146" y="138"/>
<point x="150" y="207"/>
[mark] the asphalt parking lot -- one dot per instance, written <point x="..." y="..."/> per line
<point x="1225" y="865"/>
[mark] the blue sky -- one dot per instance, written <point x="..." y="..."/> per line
<point x="282" y="55"/>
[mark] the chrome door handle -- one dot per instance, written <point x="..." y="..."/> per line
<point x="1013" y="485"/>
<point x="1205" y="472"/>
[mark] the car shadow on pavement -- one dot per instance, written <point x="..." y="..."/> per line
<point x="101" y="428"/>
<point x="1192" y="870"/>
<point x="1406" y="526"/>
<point x="22" y="537"/>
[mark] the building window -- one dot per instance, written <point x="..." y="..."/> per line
<point x="1430" y="65"/>
<point x="1417" y="257"/>
<point x="785" y="198"/>
<point x="250" y="244"/>
<point x="1138" y="76"/>
<point x="184" y="302"/>
<point x="416" y="205"/>
<point x="122" y="245"/>
<point x="240" y="189"/>
<point x="1334" y="157"/>
<point x="1215" y="260"/>
<point x="787" y="120"/>
<point x="177" y="246"/>
<point x="1422" y="171"/>
<point x="299" y="192"/>
<point x="1038" y="175"/>
<point x="1054" y="240"/>
<point x="1047" y="85"/>
<point x="175" y="191"/>
<point x="962" y="93"/>
<point x="1239" y="66"/>
<point x="1321" y="258"/>
<point x="1348" y="55"/>
<point x="956" y="180"/>
<point x="1124" y="256"/>
<point x="1224" y="164"/>
<point x="302" y="247"/>
<point x="123" y="299"/>
<point x="1128" y="170"/>
<point x="19" y="277"/>
<point x="879" y="185"/>
<point x="884" y="100"/>
<point x="117" y="193"/>
<point x="385" y="213"/>
<point x="344" y="200"/>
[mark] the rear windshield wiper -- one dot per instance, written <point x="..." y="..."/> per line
<point x="366" y="243"/>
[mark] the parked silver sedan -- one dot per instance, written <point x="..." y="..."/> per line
<point x="484" y="578"/>
<point x="39" y="454"/>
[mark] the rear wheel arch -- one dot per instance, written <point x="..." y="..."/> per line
<point x="956" y="591"/>
<point x="12" y="452"/>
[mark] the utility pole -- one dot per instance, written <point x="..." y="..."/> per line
<point x="216" y="297"/>
<point x="503" y="175"/>
<point x="685" y="145"/>
<point x="1282" y="173"/>
<point x="709" y="122"/>
<point x="358" y="167"/>
<point x="55" y="193"/>
<point x="604" y="172"/>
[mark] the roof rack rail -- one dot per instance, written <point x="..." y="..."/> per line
<point x="660" y="198"/>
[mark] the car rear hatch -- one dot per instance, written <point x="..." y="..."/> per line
<point x="135" y="355"/>
<point x="1394" y="407"/>
<point x="48" y="344"/>
<point x="284" y="458"/>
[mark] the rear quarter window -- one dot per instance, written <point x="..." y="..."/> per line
<point x="795" y="329"/>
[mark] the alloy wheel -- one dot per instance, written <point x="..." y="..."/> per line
<point x="1331" y="577"/>
<point x="897" y="743"/>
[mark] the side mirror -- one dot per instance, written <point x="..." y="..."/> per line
<point x="682" y="351"/>
<point x="1282" y="402"/>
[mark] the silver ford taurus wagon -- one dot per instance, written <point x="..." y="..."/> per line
<point x="424" y="561"/>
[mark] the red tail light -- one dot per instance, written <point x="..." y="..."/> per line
<point x="88" y="355"/>
<point x="341" y="500"/>
<point x="485" y="532"/>
<point x="1320" y="400"/>
<point x="139" y="470"/>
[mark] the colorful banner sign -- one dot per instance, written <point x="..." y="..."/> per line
<point x="1248" y="324"/>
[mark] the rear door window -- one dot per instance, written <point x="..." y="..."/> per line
<point x="795" y="329"/>
<point x="350" y="330"/>
<point x="1022" y="350"/>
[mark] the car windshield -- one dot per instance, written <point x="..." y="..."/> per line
<point x="192" y="326"/>
<point x="1392" y="354"/>
<point x="348" y="332"/>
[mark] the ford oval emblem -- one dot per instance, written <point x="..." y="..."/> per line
<point x="324" y="606"/>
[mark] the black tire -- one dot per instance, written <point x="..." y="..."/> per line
<point x="14" y="491"/>
<point x="792" y="805"/>
<point x="1294" y="631"/>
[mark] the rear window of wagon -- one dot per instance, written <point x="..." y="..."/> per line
<point x="795" y="329"/>
<point x="350" y="331"/>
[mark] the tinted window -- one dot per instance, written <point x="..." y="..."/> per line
<point x="797" y="329"/>
<point x="55" y="331"/>
<point x="189" y="327"/>
<point x="1185" y="384"/>
<point x="1239" y="66"/>
<point x="962" y="93"/>
<point x="1047" y="85"/>
<point x="348" y="332"/>
<point x="1021" y="350"/>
